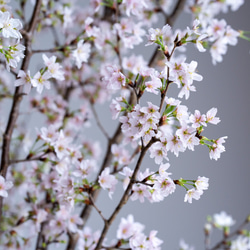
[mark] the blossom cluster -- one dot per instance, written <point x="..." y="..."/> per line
<point x="131" y="231"/>
<point x="11" y="51"/>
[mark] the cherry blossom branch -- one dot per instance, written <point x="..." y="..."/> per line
<point x="40" y="238"/>
<point x="125" y="196"/>
<point x="116" y="139"/>
<point x="118" y="134"/>
<point x="170" y="19"/>
<point x="85" y="213"/>
<point x="17" y="97"/>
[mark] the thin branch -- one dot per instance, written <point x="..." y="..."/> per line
<point x="52" y="50"/>
<point x="53" y="29"/>
<point x="34" y="18"/>
<point x="40" y="237"/>
<point x="163" y="95"/>
<point x="98" y="121"/>
<point x="38" y="158"/>
<point x="125" y="196"/>
<point x="96" y="208"/>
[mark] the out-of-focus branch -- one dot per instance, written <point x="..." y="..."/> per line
<point x="175" y="13"/>
<point x="5" y="161"/>
<point x="52" y="50"/>
<point x="221" y="243"/>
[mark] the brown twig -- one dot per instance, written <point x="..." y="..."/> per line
<point x="125" y="196"/>
<point x="96" y="208"/>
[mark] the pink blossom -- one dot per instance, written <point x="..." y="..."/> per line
<point x="120" y="154"/>
<point x="210" y="116"/>
<point x="197" y="119"/>
<point x="54" y="68"/>
<point x="139" y="241"/>
<point x="128" y="228"/>
<point x="153" y="85"/>
<point x="216" y="29"/>
<point x="158" y="152"/>
<point x="24" y="79"/>
<point x="4" y="186"/>
<point x="134" y="63"/>
<point x="163" y="168"/>
<point x="140" y="192"/>
<point x="49" y="180"/>
<point x="165" y="185"/>
<point x="61" y="145"/>
<point x="127" y="172"/>
<point x="231" y="36"/>
<point x="115" y="108"/>
<point x="240" y="243"/>
<point x="49" y="134"/>
<point x="192" y="194"/>
<point x="107" y="181"/>
<point x="84" y="169"/>
<point x="223" y="220"/>
<point x="184" y="246"/>
<point x="73" y="222"/>
<point x="41" y="216"/>
<point x="16" y="53"/>
<point x="155" y="34"/>
<point x="41" y="80"/>
<point x="81" y="53"/>
<point x="134" y="7"/>
<point x="199" y="42"/>
<point x="192" y="141"/>
<point x="153" y="240"/>
<point x="217" y="148"/>
<point x="202" y="183"/>
<point x="175" y="145"/>
<point x="10" y="27"/>
<point x="218" y="49"/>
